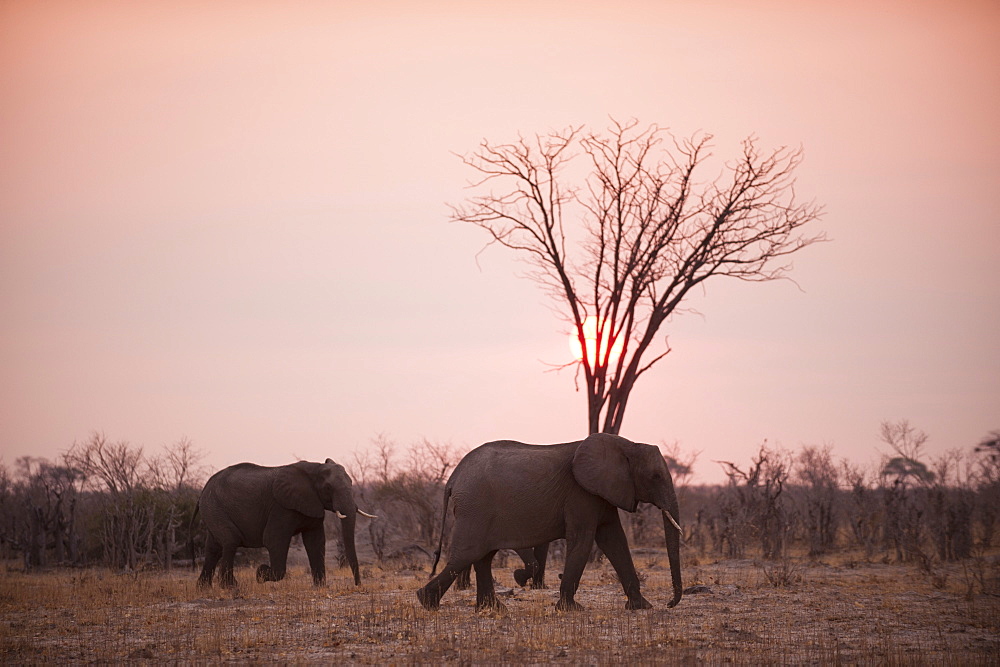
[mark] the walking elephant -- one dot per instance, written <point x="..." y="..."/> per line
<point x="509" y="495"/>
<point x="247" y="505"/>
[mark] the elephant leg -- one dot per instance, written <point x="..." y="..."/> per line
<point x="541" y="554"/>
<point x="277" y="552"/>
<point x="534" y="566"/>
<point x="467" y="536"/>
<point x="522" y="574"/>
<point x="464" y="580"/>
<point x="486" y="597"/>
<point x="577" y="552"/>
<point x="226" y="578"/>
<point x="315" y="543"/>
<point x="213" y="552"/>
<point x="430" y="595"/>
<point x="612" y="541"/>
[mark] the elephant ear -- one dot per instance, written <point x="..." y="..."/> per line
<point x="601" y="467"/>
<point x="294" y="490"/>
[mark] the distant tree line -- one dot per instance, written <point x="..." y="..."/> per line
<point x="907" y="508"/>
<point x="103" y="503"/>
<point x="113" y="504"/>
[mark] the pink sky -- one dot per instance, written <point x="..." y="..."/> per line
<point x="228" y="221"/>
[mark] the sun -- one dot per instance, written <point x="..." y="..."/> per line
<point x="590" y="334"/>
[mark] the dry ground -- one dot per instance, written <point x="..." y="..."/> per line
<point x="833" y="612"/>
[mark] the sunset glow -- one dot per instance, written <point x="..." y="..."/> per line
<point x="590" y="333"/>
<point x="228" y="222"/>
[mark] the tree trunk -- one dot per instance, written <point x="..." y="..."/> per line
<point x="171" y="543"/>
<point x="71" y="539"/>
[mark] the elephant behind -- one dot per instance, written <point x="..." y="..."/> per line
<point x="509" y="495"/>
<point x="247" y="505"/>
<point x="532" y="572"/>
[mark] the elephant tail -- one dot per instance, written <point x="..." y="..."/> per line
<point x="197" y="506"/>
<point x="444" y="520"/>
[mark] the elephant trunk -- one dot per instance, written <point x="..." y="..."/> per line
<point x="347" y="524"/>
<point x="673" y="536"/>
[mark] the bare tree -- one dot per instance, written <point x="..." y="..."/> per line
<point x="907" y="443"/>
<point x="681" y="465"/>
<point x="819" y="479"/>
<point x="864" y="512"/>
<point x="174" y="478"/>
<point x="48" y="495"/>
<point x="181" y="461"/>
<point x="415" y="490"/>
<point x="370" y="472"/>
<point x="407" y="494"/>
<point x="987" y="459"/>
<point x="990" y="447"/>
<point x="905" y="509"/>
<point x="622" y="249"/>
<point x="142" y="498"/>
<point x="951" y="505"/>
<point x="116" y="466"/>
<point x="752" y="504"/>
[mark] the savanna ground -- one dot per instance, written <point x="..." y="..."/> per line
<point x="835" y="610"/>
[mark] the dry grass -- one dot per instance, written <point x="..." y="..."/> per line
<point x="820" y="613"/>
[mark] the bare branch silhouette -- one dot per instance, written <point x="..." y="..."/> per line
<point x="626" y="240"/>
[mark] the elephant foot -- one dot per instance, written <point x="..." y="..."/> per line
<point x="491" y="606"/>
<point x="566" y="604"/>
<point x="267" y="573"/>
<point x="641" y="603"/>
<point x="428" y="601"/>
<point x="227" y="580"/>
<point x="204" y="584"/>
<point x="521" y="577"/>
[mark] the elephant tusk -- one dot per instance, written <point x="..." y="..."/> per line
<point x="673" y="521"/>
<point x="370" y="516"/>
<point x="341" y="515"/>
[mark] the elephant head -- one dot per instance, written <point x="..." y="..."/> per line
<point x="311" y="488"/>
<point x="625" y="473"/>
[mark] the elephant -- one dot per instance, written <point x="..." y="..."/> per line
<point x="511" y="495"/>
<point x="247" y="505"/>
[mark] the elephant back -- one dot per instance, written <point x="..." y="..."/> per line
<point x="500" y="471"/>
<point x="249" y="480"/>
